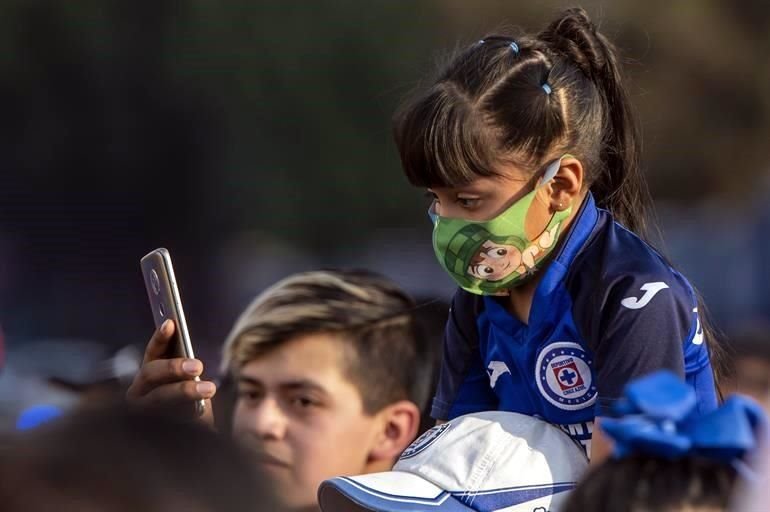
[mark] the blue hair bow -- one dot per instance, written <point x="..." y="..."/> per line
<point x="658" y="417"/>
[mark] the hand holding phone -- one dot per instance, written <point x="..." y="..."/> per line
<point x="170" y="372"/>
<point x="165" y="300"/>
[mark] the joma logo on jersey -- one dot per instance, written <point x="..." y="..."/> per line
<point x="495" y="370"/>
<point x="650" y="290"/>
<point x="568" y="376"/>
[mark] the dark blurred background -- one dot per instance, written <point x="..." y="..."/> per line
<point x="252" y="139"/>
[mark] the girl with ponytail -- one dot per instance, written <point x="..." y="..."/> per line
<point x="530" y="151"/>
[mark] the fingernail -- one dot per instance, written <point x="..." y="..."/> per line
<point x="165" y="326"/>
<point x="205" y="388"/>
<point x="191" y="366"/>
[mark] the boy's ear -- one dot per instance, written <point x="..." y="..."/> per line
<point x="399" y="424"/>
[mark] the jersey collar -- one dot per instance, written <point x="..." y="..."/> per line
<point x="545" y="296"/>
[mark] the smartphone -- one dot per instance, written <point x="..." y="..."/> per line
<point x="166" y="303"/>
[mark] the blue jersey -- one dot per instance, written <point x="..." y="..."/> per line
<point x="608" y="309"/>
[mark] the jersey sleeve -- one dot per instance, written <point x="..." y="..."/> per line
<point x="463" y="385"/>
<point x="642" y="326"/>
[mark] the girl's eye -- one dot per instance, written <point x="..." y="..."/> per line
<point x="487" y="270"/>
<point x="468" y="202"/>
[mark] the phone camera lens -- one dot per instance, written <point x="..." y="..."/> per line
<point x="162" y="310"/>
<point x="155" y="282"/>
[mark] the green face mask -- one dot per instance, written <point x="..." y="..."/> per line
<point x="490" y="257"/>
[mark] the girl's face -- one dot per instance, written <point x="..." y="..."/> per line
<point x="485" y="197"/>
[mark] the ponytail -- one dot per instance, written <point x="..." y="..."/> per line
<point x="619" y="186"/>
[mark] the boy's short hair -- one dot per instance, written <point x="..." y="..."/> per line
<point x="372" y="316"/>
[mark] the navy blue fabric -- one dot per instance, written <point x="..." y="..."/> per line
<point x="608" y="309"/>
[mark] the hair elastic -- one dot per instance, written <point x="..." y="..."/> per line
<point x="547" y="88"/>
<point x="514" y="47"/>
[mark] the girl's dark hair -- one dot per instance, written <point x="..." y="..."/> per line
<point x="643" y="484"/>
<point x="489" y="106"/>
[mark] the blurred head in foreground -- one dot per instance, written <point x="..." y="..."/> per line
<point x="123" y="460"/>
<point x="667" y="456"/>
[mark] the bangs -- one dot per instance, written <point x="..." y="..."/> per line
<point x="443" y="140"/>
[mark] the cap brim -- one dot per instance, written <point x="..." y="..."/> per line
<point x="393" y="491"/>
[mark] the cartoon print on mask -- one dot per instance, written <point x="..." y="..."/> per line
<point x="495" y="261"/>
<point x="534" y="252"/>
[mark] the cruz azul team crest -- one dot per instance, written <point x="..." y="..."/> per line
<point x="564" y="376"/>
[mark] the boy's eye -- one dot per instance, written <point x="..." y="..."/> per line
<point x="249" y="395"/>
<point x="303" y="402"/>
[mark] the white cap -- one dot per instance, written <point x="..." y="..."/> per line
<point x="489" y="461"/>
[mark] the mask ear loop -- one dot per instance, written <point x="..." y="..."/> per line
<point x="550" y="171"/>
<point x="432" y="213"/>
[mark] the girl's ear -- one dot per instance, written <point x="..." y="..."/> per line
<point x="566" y="186"/>
<point x="555" y="196"/>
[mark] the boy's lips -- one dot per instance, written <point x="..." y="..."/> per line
<point x="266" y="459"/>
<point x="261" y="456"/>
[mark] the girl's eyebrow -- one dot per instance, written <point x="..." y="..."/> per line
<point x="464" y="189"/>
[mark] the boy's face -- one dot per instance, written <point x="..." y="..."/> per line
<point x="302" y="417"/>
